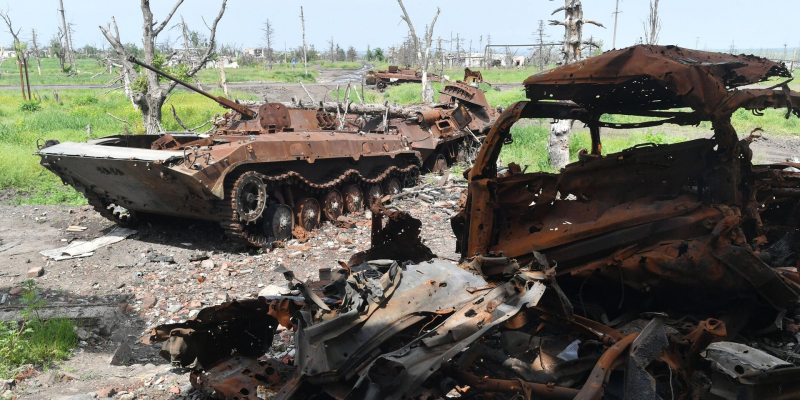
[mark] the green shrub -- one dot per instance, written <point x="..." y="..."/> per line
<point x="30" y="106"/>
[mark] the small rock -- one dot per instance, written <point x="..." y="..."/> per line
<point x="35" y="272"/>
<point x="161" y="258"/>
<point x="272" y="290"/>
<point x="148" y="301"/>
<point x="194" y="305"/>
<point x="122" y="355"/>
<point x="207" y="264"/>
<point x="106" y="392"/>
<point x="345" y="222"/>
<point x="66" y="376"/>
<point x="175" y="390"/>
<point x="174" y="308"/>
<point x="15" y="291"/>
<point x="198" y="256"/>
<point x="127" y="396"/>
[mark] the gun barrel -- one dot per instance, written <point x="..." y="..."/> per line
<point x="219" y="99"/>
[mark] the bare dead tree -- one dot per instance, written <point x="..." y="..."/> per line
<point x="561" y="130"/>
<point x="185" y="33"/>
<point x="331" y="50"/>
<point x="36" y="50"/>
<point x="151" y="95"/>
<point x="268" y="53"/>
<point x="20" y="52"/>
<point x="427" y="91"/>
<point x="305" y="57"/>
<point x="652" y="28"/>
<point x="573" y="29"/>
<point x="66" y="38"/>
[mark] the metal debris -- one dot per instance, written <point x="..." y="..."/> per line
<point x="663" y="271"/>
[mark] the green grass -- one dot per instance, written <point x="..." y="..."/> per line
<point x="67" y="121"/>
<point x="33" y="340"/>
<point x="279" y="73"/>
<point x="530" y="143"/>
<point x="90" y="72"/>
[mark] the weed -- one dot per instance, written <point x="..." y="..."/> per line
<point x="85" y="100"/>
<point x="30" y="106"/>
<point x="34" y="340"/>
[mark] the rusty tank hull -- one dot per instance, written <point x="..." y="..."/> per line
<point x="239" y="179"/>
<point x="266" y="172"/>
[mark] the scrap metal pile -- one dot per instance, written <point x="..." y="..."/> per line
<point x="268" y="171"/>
<point x="663" y="271"/>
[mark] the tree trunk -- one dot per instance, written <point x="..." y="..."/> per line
<point x="66" y="34"/>
<point x="223" y="81"/>
<point x="126" y="78"/>
<point x="150" y="106"/>
<point x="558" y="143"/>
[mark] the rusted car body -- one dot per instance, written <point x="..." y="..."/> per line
<point x="395" y="76"/>
<point x="658" y="272"/>
<point x="266" y="170"/>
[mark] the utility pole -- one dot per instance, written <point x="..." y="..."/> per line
<point x="697" y="43"/>
<point x="616" y="16"/>
<point x="305" y="57"/>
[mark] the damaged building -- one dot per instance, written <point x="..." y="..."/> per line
<point x="662" y="271"/>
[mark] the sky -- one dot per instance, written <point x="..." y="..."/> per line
<point x="707" y="24"/>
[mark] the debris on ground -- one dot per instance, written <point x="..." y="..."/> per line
<point x="81" y="249"/>
<point x="663" y="271"/>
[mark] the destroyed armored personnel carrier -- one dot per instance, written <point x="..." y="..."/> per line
<point x="395" y="76"/>
<point x="660" y="272"/>
<point x="267" y="170"/>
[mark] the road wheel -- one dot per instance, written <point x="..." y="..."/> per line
<point x="308" y="213"/>
<point x="353" y="199"/>
<point x="392" y="186"/>
<point x="250" y="196"/>
<point x="374" y="194"/>
<point x="278" y="222"/>
<point x="333" y="205"/>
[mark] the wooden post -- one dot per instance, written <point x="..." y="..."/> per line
<point x="21" y="78"/>
<point x="27" y="80"/>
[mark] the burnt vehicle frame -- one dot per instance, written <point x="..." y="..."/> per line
<point x="699" y="306"/>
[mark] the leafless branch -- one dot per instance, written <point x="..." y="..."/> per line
<point x="160" y="28"/>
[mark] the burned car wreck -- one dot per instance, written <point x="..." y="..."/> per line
<point x="662" y="271"/>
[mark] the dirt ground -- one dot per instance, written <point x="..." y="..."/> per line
<point x="157" y="276"/>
